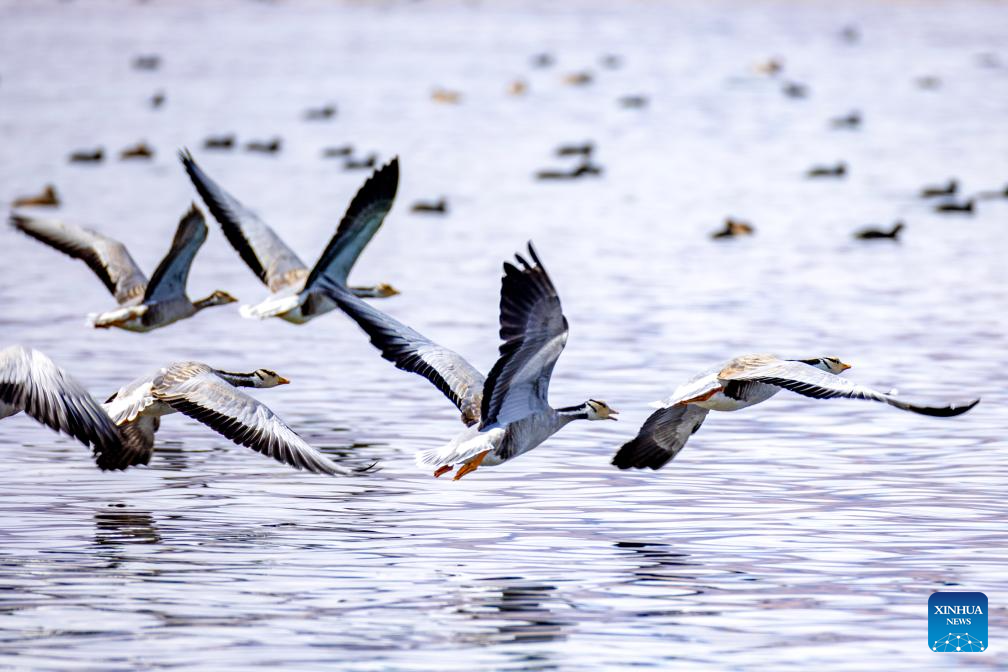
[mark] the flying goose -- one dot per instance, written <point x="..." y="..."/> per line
<point x="33" y="383"/>
<point x="213" y="398"/>
<point x="743" y="382"/>
<point x="144" y="305"/>
<point x="291" y="283"/>
<point x="507" y="412"/>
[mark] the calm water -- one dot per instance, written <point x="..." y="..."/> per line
<point x="798" y="535"/>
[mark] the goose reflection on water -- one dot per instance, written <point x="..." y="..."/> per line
<point x="520" y="611"/>
<point x="117" y="528"/>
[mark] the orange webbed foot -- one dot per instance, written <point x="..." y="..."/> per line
<point x="471" y="465"/>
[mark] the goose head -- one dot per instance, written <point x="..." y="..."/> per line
<point x="599" y="410"/>
<point x="264" y="378"/>
<point x="380" y="291"/>
<point x="218" y="298"/>
<point x="829" y="364"/>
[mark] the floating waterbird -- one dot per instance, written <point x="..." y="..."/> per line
<point x="839" y="170"/>
<point x="850" y="120"/>
<point x="733" y="228"/>
<point x="743" y="382"/>
<point x="147" y="62"/>
<point x="47" y="199"/>
<point x="965" y="207"/>
<point x="579" y="78"/>
<point x="438" y="207"/>
<point x="543" y="60"/>
<point x="585" y="149"/>
<point x="873" y="233"/>
<point x="508" y="411"/>
<point x="219" y="142"/>
<point x="87" y="156"/>
<point x="948" y="189"/>
<point x="446" y="96"/>
<point x="141" y="150"/>
<point x="366" y="163"/>
<point x="582" y="169"/>
<point x="633" y="102"/>
<point x="144" y="305"/>
<point x="321" y="113"/>
<point x="264" y="147"/>
<point x="290" y="281"/>
<point x="795" y="90"/>
<point x="337" y="152"/>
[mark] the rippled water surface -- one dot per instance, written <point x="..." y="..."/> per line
<point x="797" y="535"/>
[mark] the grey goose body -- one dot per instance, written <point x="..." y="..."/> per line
<point x="213" y="398"/>
<point x="143" y="305"/>
<point x="507" y="412"/>
<point x="742" y="382"/>
<point x="292" y="284"/>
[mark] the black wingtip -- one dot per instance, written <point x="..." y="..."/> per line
<point x="532" y="253"/>
<point x="641" y="453"/>
<point x="949" y="411"/>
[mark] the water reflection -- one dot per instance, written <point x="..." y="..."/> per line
<point x="122" y="527"/>
<point x="519" y="611"/>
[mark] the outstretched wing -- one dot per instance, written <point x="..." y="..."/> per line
<point x="108" y="258"/>
<point x="814" y="382"/>
<point x="31" y="382"/>
<point x="661" y="437"/>
<point x="410" y="351"/>
<point x="534" y="332"/>
<point x="362" y="220"/>
<point x="195" y="390"/>
<point x="170" y="277"/>
<point x="260" y="248"/>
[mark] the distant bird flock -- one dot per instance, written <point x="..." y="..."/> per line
<point x="506" y="412"/>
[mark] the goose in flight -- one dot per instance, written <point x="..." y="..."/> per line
<point x="33" y="383"/>
<point x="507" y="412"/>
<point x="290" y="282"/>
<point x="213" y="398"/>
<point x="743" y="382"/>
<point x="144" y="305"/>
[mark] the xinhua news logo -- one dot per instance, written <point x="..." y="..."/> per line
<point x="957" y="622"/>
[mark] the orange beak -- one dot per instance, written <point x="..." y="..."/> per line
<point x="282" y="381"/>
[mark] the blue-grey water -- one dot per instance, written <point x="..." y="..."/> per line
<point x="798" y="535"/>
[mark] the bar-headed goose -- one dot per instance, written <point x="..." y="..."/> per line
<point x="743" y="382"/>
<point x="508" y="412"/>
<point x="213" y="398"/>
<point x="290" y="281"/>
<point x="33" y="383"/>
<point x="144" y="305"/>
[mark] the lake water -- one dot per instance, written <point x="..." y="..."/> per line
<point x="797" y="535"/>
